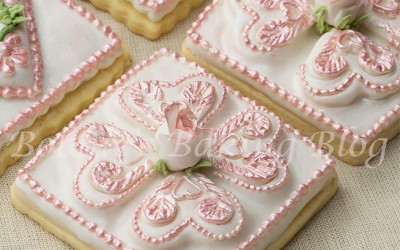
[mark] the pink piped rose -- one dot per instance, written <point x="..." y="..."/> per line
<point x="338" y="9"/>
<point x="181" y="144"/>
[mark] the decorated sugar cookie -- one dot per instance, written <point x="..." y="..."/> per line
<point x="174" y="159"/>
<point x="42" y="58"/>
<point x="149" y="18"/>
<point x="331" y="67"/>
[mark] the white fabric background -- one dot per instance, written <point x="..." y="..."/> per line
<point x="364" y="214"/>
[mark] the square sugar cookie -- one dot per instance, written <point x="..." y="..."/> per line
<point x="340" y="88"/>
<point x="148" y="18"/>
<point x="171" y="158"/>
<point x="44" y="59"/>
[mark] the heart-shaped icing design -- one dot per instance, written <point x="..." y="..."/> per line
<point x="276" y="33"/>
<point x="258" y="126"/>
<point x="107" y="176"/>
<point x="142" y="100"/>
<point x="215" y="211"/>
<point x="332" y="74"/>
<point x="231" y="147"/>
<point x="258" y="166"/>
<point x="215" y="206"/>
<point x="161" y="209"/>
<point x="264" y="166"/>
<point x="192" y="190"/>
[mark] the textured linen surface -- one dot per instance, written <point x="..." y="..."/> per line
<point x="364" y="214"/>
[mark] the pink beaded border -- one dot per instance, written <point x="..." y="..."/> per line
<point x="110" y="239"/>
<point x="347" y="83"/>
<point x="295" y="195"/>
<point x="32" y="91"/>
<point x="70" y="80"/>
<point x="317" y="115"/>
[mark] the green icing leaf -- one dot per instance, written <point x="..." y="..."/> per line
<point x="320" y="14"/>
<point x="357" y="23"/>
<point x="3" y="6"/>
<point x="19" y="20"/>
<point x="6" y="30"/>
<point x="203" y="163"/>
<point x="161" y="167"/>
<point x="11" y="17"/>
<point x="6" y="20"/>
<point x="16" y="10"/>
<point x="344" y="23"/>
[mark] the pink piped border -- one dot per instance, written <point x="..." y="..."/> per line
<point x="110" y="239"/>
<point x="70" y="80"/>
<point x="312" y="113"/>
<point x="36" y="87"/>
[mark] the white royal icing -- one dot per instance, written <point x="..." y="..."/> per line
<point x="80" y="200"/>
<point x="338" y="9"/>
<point x="155" y="9"/>
<point x="60" y="55"/>
<point x="357" y="108"/>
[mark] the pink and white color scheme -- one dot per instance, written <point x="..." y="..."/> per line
<point x="106" y="190"/>
<point x="337" y="9"/>
<point x="155" y="9"/>
<point x="180" y="142"/>
<point x="331" y="80"/>
<point x="384" y="20"/>
<point x="20" y="58"/>
<point x="36" y="72"/>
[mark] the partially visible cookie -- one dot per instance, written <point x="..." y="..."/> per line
<point x="44" y="59"/>
<point x="334" y="74"/>
<point x="148" y="18"/>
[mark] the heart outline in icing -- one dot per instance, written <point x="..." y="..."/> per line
<point x="208" y="188"/>
<point x="154" y="119"/>
<point x="106" y="176"/>
<point x="350" y="44"/>
<point x="247" y="176"/>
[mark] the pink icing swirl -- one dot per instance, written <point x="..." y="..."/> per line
<point x="278" y="32"/>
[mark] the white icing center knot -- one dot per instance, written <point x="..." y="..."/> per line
<point x="339" y="14"/>
<point x="181" y="144"/>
